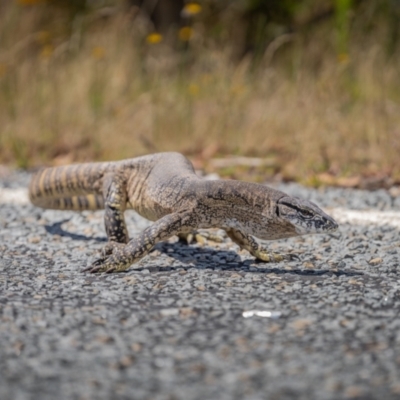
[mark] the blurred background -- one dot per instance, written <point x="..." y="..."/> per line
<point x="305" y="90"/>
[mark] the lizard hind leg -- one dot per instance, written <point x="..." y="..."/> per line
<point x="248" y="243"/>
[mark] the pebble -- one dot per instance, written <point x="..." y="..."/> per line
<point x="376" y="261"/>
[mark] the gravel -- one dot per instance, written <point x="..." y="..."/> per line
<point x="201" y="322"/>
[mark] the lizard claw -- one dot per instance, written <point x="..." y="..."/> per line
<point x="93" y="268"/>
<point x="264" y="255"/>
<point x="98" y="262"/>
<point x="201" y="237"/>
<point x="99" y="265"/>
<point x="90" y="269"/>
<point x="96" y="265"/>
<point x="292" y="257"/>
<point x="107" y="265"/>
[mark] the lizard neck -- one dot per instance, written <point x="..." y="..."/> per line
<point x="247" y="207"/>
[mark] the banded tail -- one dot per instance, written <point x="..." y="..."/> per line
<point x="74" y="187"/>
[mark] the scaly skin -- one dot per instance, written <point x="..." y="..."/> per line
<point x="164" y="188"/>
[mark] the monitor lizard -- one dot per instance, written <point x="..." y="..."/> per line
<point x="164" y="188"/>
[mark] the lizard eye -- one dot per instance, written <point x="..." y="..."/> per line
<point x="277" y="211"/>
<point x="306" y="213"/>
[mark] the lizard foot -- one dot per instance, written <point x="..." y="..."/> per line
<point x="110" y="247"/>
<point x="265" y="256"/>
<point x="201" y="237"/>
<point x="107" y="261"/>
<point x="107" y="265"/>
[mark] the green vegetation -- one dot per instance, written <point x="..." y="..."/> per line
<point x="312" y="85"/>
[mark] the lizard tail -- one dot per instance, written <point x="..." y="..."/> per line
<point x="76" y="203"/>
<point x="68" y="187"/>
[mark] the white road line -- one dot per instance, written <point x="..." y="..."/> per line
<point x="14" y="196"/>
<point x="366" y="217"/>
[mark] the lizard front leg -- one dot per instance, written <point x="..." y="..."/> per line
<point x="114" y="193"/>
<point x="123" y="257"/>
<point x="248" y="243"/>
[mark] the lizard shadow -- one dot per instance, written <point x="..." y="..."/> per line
<point x="56" y="229"/>
<point x="205" y="256"/>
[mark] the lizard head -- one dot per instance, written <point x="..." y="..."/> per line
<point x="304" y="215"/>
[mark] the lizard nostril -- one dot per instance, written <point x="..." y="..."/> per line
<point x="334" y="225"/>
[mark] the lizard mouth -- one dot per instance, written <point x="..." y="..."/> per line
<point x="329" y="224"/>
<point x="322" y="225"/>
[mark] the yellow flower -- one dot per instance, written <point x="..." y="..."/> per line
<point x="185" y="33"/>
<point x="193" y="89"/>
<point x="191" y="9"/>
<point x="154" y="38"/>
<point x="47" y="51"/>
<point x="343" y="58"/>
<point x="238" y="90"/>
<point x="98" y="52"/>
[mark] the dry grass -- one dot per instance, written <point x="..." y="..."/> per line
<point x="108" y="95"/>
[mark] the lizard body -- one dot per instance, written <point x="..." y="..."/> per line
<point x="164" y="188"/>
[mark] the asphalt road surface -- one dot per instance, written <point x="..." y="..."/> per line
<point x="178" y="325"/>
